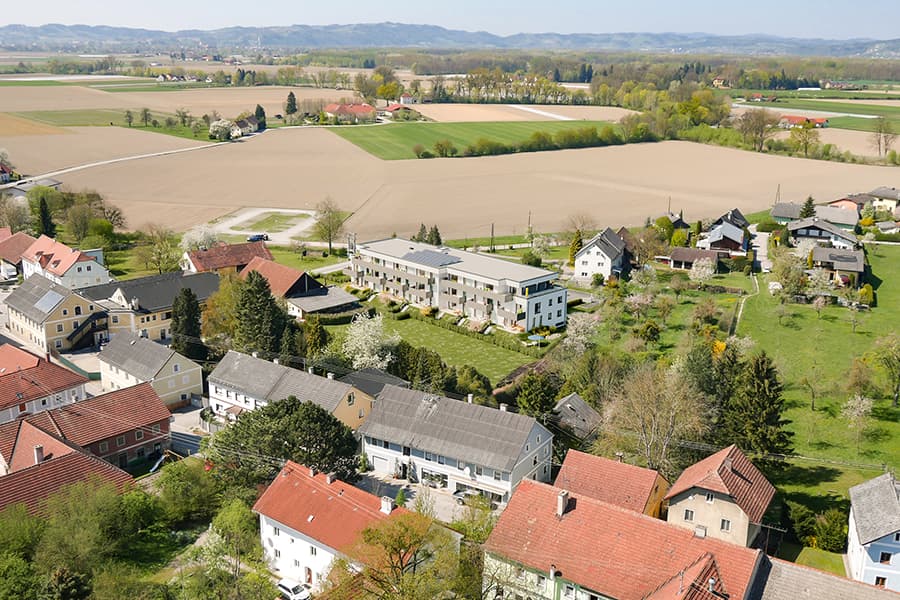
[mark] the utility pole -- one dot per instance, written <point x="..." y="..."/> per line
<point x="492" y="237"/>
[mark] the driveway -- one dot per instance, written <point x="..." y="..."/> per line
<point x="760" y="244"/>
<point x="185" y="430"/>
<point x="445" y="507"/>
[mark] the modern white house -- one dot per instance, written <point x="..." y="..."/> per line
<point x="484" y="288"/>
<point x="453" y="444"/>
<point x="822" y="232"/>
<point x="873" y="540"/>
<point x="604" y="254"/>
<point x="306" y="520"/>
<point x="66" y="266"/>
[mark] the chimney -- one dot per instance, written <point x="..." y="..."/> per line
<point x="728" y="464"/>
<point x="700" y="531"/>
<point x="135" y="304"/>
<point x="562" y="502"/>
<point x="330" y="375"/>
<point x="503" y="407"/>
<point x="552" y="572"/>
<point x="329" y="479"/>
<point x="711" y="585"/>
<point x="620" y="456"/>
<point x="469" y="398"/>
<point x="38" y="454"/>
<point x="312" y="471"/>
<point x="276" y="361"/>
<point x="387" y="505"/>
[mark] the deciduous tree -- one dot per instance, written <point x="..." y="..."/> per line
<point x="367" y="345"/>
<point x="887" y="353"/>
<point x="758" y="125"/>
<point x="857" y="411"/>
<point x="805" y="138"/>
<point x="163" y="255"/>
<point x="702" y="271"/>
<point x="329" y="222"/>
<point x="883" y="136"/>
<point x="129" y="117"/>
<point x="78" y="220"/>
<point x="146" y="116"/>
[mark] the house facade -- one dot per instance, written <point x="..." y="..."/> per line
<point x="822" y="232"/>
<point x="241" y="382"/>
<point x="454" y="445"/>
<point x="129" y="360"/>
<point x="53" y="317"/>
<point x="306" y="520"/>
<point x="483" y="288"/>
<point x="725" y="237"/>
<point x="873" y="540"/>
<point x="885" y="198"/>
<point x="30" y="384"/>
<point x="11" y="250"/>
<point x="66" y="266"/>
<point x="846" y="267"/>
<point x="724" y="496"/>
<point x="603" y="254"/>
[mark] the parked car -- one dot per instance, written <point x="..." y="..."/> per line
<point x="462" y="495"/>
<point x="293" y="590"/>
<point x="258" y="237"/>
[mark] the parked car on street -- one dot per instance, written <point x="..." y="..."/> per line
<point x="293" y="590"/>
<point x="258" y="237"/>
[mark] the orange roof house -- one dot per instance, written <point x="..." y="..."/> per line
<point x="283" y="280"/>
<point x="624" y="485"/>
<point x="724" y="487"/>
<point x="11" y="249"/>
<point x="224" y="258"/>
<point x="66" y="266"/>
<point x="30" y="384"/>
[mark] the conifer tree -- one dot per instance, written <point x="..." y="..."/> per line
<point x="186" y="326"/>
<point x="575" y="246"/>
<point x="316" y="337"/>
<point x="260" y="115"/>
<point x="434" y="236"/>
<point x="422" y="235"/>
<point x="808" y="209"/>
<point x="45" y="220"/>
<point x="754" y="416"/>
<point x="288" y="351"/>
<point x="290" y="106"/>
<point x="260" y="321"/>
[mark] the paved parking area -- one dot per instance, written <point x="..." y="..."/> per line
<point x="445" y="507"/>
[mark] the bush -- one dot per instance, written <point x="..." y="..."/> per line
<point x="802" y="522"/>
<point x="597" y="280"/>
<point x="748" y="270"/>
<point x="345" y="317"/>
<point x="768" y="226"/>
<point x="531" y="259"/>
<point x="831" y="530"/>
<point x="418" y="150"/>
<point x="867" y="295"/>
<point x="887" y="237"/>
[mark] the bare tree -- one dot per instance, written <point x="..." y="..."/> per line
<point x="164" y="253"/>
<point x="857" y="411"/>
<point x="883" y="136"/>
<point x="757" y="125"/>
<point x="329" y="222"/>
<point x="13" y="215"/>
<point x="579" y="222"/>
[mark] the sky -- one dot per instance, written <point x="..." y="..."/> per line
<point x="832" y="19"/>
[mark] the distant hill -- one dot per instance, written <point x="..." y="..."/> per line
<point x="84" y="38"/>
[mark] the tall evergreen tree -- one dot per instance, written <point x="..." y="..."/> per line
<point x="754" y="417"/>
<point x="808" y="209"/>
<point x="316" y="337"/>
<point x="575" y="246"/>
<point x="288" y="351"/>
<point x="260" y="321"/>
<point x="186" y="326"/>
<point x="45" y="223"/>
<point x="434" y="236"/>
<point x="260" y="115"/>
<point x="536" y="395"/>
<point x="290" y="107"/>
<point x="422" y="235"/>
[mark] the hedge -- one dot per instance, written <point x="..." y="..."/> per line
<point x="887" y="237"/>
<point x="344" y="317"/>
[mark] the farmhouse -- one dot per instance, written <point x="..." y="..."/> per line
<point x="723" y="496"/>
<point x="603" y="254"/>
<point x="886" y="198"/>
<point x="845" y="266"/>
<point x="66" y="266"/>
<point x="684" y="258"/>
<point x="822" y="232"/>
<point x="480" y="287"/>
<point x="454" y="445"/>
<point x="241" y="383"/>
<point x="306" y="520"/>
<point x="224" y="258"/>
<point x="30" y="384"/>
<point x="725" y="236"/>
<point x="792" y="121"/>
<point x="129" y="360"/>
<point x="301" y="292"/>
<point x="350" y="113"/>
<point x="873" y="541"/>
<point x="11" y="250"/>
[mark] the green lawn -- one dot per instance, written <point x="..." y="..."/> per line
<point x="106" y="117"/>
<point x="273" y="222"/>
<point x="813" y="557"/>
<point x="395" y="141"/>
<point x="858" y="123"/>
<point x="123" y="265"/>
<point x="312" y="261"/>
<point x="822" y="350"/>
<point x="891" y="113"/>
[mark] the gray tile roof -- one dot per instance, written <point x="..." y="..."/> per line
<point x="372" y="381"/>
<point x="726" y="230"/>
<point x="608" y="241"/>
<point x="322" y="299"/>
<point x="136" y="355"/>
<point x="888" y="193"/>
<point x="478" y="434"/>
<point x="265" y="380"/>
<point x="824" y="226"/>
<point x="37" y="297"/>
<point x="843" y="260"/>
<point x="785" y="210"/>
<point x="780" y="580"/>
<point x="837" y="215"/>
<point x="735" y="217"/>
<point x="157" y="292"/>
<point x="876" y="507"/>
<point x="576" y="415"/>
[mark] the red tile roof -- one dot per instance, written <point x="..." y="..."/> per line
<point x="281" y="278"/>
<point x="5" y="233"/>
<point x="362" y="108"/>
<point x="13" y="358"/>
<point x="228" y="255"/>
<point x="32" y="382"/>
<point x="694" y="583"/>
<point x="333" y="514"/>
<point x="608" y="480"/>
<point x="11" y="248"/>
<point x="33" y="485"/>
<point x="29" y="436"/>
<point x="729" y="472"/>
<point x="54" y="257"/>
<point x="105" y="416"/>
<point x="607" y="549"/>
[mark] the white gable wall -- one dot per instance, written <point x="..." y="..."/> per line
<point x="294" y="555"/>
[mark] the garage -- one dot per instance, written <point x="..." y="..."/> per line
<point x="380" y="464"/>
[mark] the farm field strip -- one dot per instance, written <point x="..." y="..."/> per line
<point x="395" y="141"/>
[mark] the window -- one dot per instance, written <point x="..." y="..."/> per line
<point x="497" y="475"/>
<point x="385" y="444"/>
<point x="74" y="325"/>
<point x="59" y="328"/>
<point x="688" y="514"/>
<point x="541" y="581"/>
<point x="88" y="267"/>
<point x="538" y="439"/>
<point x="885" y="558"/>
<point x="897" y="537"/>
<point x="115" y="318"/>
<point x="534" y="462"/>
<point x="155" y="428"/>
<point x="460" y="465"/>
<point x="569" y="592"/>
<point x="520" y="573"/>
<point x="277" y="553"/>
<point x="57" y="344"/>
<point x="350" y="399"/>
<point x="479" y="470"/>
<point x="881" y="582"/>
<point x="22" y="408"/>
<point x="441" y="459"/>
<point x="312" y="550"/>
<point x="77" y="310"/>
<point x="120" y="441"/>
<point x="559" y="313"/>
<point x="139" y="434"/>
<point x="429" y="456"/>
<point x="65" y="312"/>
<point x="296" y="563"/>
<point x="104" y="446"/>
<point x="725" y="525"/>
<point x="78" y="270"/>
<point x="176" y="367"/>
<point x="276" y="531"/>
<point x="43" y="402"/>
<point x="710" y="497"/>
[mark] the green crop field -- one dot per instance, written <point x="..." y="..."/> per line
<point x="395" y="141"/>
<point x="859" y="123"/>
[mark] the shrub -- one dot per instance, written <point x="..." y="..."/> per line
<point x="426" y="154"/>
<point x="531" y="259"/>
<point x="802" y="522"/>
<point x="867" y="294"/>
<point x="768" y="226"/>
<point x="831" y="530"/>
<point x="597" y="280"/>
<point x="418" y="150"/>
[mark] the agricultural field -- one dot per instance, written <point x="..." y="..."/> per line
<point x="477" y="113"/>
<point x="863" y="112"/>
<point x="395" y="141"/>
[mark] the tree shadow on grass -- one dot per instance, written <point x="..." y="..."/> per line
<point x="819" y="503"/>
<point x="886" y="413"/>
<point x="876" y="434"/>
<point x="802" y="475"/>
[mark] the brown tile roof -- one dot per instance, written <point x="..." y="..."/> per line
<point x="607" y="549"/>
<point x="42" y="380"/>
<point x="281" y="278"/>
<point x="700" y="581"/>
<point x="11" y="248"/>
<point x="608" y="480"/>
<point x="54" y="257"/>
<point x="729" y="472"/>
<point x="333" y="514"/>
<point x="228" y="255"/>
<point x="33" y="485"/>
<point x="693" y="255"/>
<point x="105" y="416"/>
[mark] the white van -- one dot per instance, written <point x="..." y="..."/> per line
<point x="293" y="590"/>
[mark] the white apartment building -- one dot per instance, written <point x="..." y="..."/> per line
<point x="873" y="540"/>
<point x="509" y="294"/>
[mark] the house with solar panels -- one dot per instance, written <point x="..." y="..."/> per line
<point x="511" y="295"/>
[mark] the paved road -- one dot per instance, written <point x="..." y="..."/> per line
<point x="760" y="244"/>
<point x="333" y="268"/>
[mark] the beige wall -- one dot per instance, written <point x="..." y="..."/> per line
<point x="353" y="414"/>
<point x="63" y="317"/>
<point x="136" y="322"/>
<point x="710" y="515"/>
<point x="173" y="387"/>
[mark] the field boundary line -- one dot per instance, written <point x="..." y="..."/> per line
<point x="542" y="113"/>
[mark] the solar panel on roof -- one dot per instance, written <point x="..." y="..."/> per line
<point x="48" y="301"/>
<point x="430" y="258"/>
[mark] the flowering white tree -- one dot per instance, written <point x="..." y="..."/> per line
<point x="198" y="237"/>
<point x="857" y="411"/>
<point x="819" y="280"/>
<point x="367" y="346"/>
<point x="223" y="130"/>
<point x="644" y="277"/>
<point x="639" y="304"/>
<point x="803" y="249"/>
<point x="702" y="270"/>
<point x="580" y="331"/>
<point x="540" y="245"/>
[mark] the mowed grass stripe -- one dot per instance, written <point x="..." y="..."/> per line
<point x="396" y="140"/>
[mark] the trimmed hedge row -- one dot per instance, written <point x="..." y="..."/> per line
<point x="345" y="317"/>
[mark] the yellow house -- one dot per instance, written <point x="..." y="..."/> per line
<point x="54" y="317"/>
<point x="241" y="382"/>
<point x="129" y="359"/>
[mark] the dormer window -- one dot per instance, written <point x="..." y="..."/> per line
<point x="710" y="497"/>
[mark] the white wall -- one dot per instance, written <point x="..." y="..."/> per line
<point x="297" y="552"/>
<point x="46" y="403"/>
<point x="592" y="260"/>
